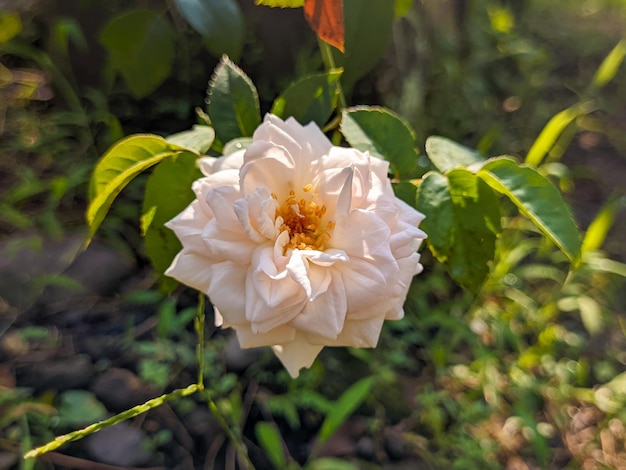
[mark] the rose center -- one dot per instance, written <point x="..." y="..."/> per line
<point x="303" y="219"/>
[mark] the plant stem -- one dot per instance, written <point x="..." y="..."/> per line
<point x="118" y="418"/>
<point x="199" y="324"/>
<point x="240" y="447"/>
<point x="327" y="56"/>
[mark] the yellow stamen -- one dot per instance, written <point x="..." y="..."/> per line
<point x="303" y="220"/>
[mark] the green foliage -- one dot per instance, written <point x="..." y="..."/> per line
<point x="271" y="442"/>
<point x="10" y="26"/>
<point x="78" y="408"/>
<point x="463" y="222"/>
<point x="447" y="155"/>
<point x="553" y="130"/>
<point x="140" y="44"/>
<point x="281" y="3"/>
<point x="345" y="405"/>
<point x="124" y="161"/>
<point x="168" y="192"/>
<point x="538" y="199"/>
<point x="219" y="22"/>
<point x="233" y="102"/>
<point x="367" y="35"/>
<point x="311" y="98"/>
<point x="198" y="138"/>
<point x="384" y="134"/>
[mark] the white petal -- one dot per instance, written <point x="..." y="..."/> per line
<point x="356" y="333"/>
<point x="324" y="314"/>
<point x="267" y="166"/>
<point x="256" y="214"/>
<point x="188" y="226"/>
<point x="210" y="165"/>
<point x="192" y="270"/>
<point x="249" y="339"/>
<point x="222" y="201"/>
<point x="226" y="292"/>
<point x="297" y="354"/>
<point x="367" y="290"/>
<point x="227" y="245"/>
<point x="272" y="297"/>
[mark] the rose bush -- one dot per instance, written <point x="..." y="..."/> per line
<point x="299" y="244"/>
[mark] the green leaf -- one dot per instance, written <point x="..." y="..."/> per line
<point x="537" y="198"/>
<point x="199" y="139"/>
<point x="406" y="191"/>
<point x="281" y="3"/>
<point x="345" y="405"/>
<point x="271" y="443"/>
<point x="118" y="166"/>
<point x="600" y="226"/>
<point x="462" y="222"/>
<point x="609" y="66"/>
<point x="79" y="407"/>
<point x="219" y="22"/>
<point x="10" y="26"/>
<point x="328" y="463"/>
<point x="590" y="314"/>
<point x="235" y="145"/>
<point x="233" y="102"/>
<point x="553" y="130"/>
<point x="402" y="7"/>
<point x="434" y="201"/>
<point x="168" y="192"/>
<point x="367" y="35"/>
<point x="383" y="134"/>
<point x="312" y="98"/>
<point x="140" y="44"/>
<point x="447" y="154"/>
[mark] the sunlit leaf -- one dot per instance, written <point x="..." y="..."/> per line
<point x="198" y="139"/>
<point x="553" y="130"/>
<point x="235" y="145"/>
<point x="10" y="26"/>
<point x="600" y="226"/>
<point x="118" y="166"/>
<point x="402" y="7"/>
<point x="312" y="98"/>
<point x="345" y="405"/>
<point x="609" y="66"/>
<point x="281" y="3"/>
<point x="233" y="102"/>
<point x="326" y="18"/>
<point x="220" y="23"/>
<point x="271" y="443"/>
<point x="328" y="463"/>
<point x="140" y="44"/>
<point x="590" y="314"/>
<point x="168" y="192"/>
<point x="383" y="134"/>
<point x="447" y="154"/>
<point x="537" y="198"/>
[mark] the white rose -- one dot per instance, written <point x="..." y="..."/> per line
<point x="298" y="244"/>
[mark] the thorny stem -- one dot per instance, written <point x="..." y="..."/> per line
<point x="118" y="418"/>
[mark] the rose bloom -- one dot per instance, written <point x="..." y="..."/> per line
<point x="299" y="244"/>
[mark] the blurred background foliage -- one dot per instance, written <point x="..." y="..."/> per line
<point x="530" y="373"/>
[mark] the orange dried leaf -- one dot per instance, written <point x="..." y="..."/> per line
<point x="326" y="19"/>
